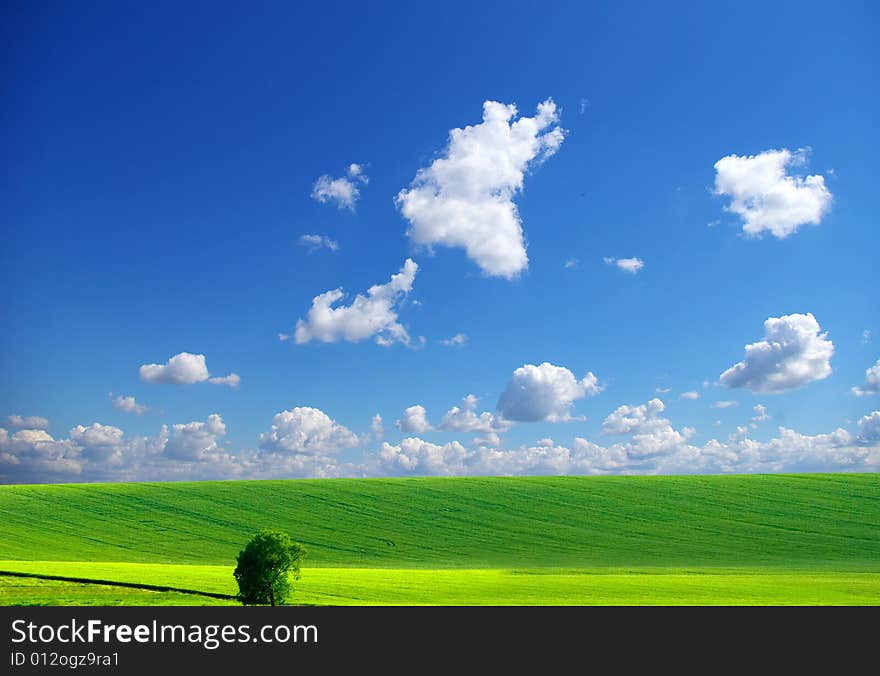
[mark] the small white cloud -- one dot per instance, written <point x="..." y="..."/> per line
<point x="544" y="392"/>
<point x="725" y="404"/>
<point x="184" y="368"/>
<point x="793" y="353"/>
<point x="571" y="263"/>
<point x="872" y="382"/>
<point x="630" y="265"/>
<point x="866" y="336"/>
<point x="307" y="430"/>
<point x="315" y="242"/>
<point x="129" y="405"/>
<point x="712" y="224"/>
<point x="766" y="197"/>
<point x="341" y="191"/>
<point x="662" y="390"/>
<point x="465" y="198"/>
<point x="585" y="103"/>
<point x="457" y="340"/>
<point x="373" y="314"/>
<point x="466" y="419"/>
<point x="232" y="380"/>
<point x="414" y="420"/>
<point x="376" y="426"/>
<point x="31" y="422"/>
<point x="689" y="395"/>
<point x="760" y="413"/>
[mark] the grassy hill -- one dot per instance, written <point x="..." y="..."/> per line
<point x="790" y="521"/>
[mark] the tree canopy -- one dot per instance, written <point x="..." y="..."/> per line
<point x="266" y="567"/>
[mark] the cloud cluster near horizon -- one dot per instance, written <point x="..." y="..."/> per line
<point x="306" y="442"/>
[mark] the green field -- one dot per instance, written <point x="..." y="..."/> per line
<point x="778" y="539"/>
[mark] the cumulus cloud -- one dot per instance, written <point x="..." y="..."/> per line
<point x="544" y="392"/>
<point x="308" y="431"/>
<point x="185" y="368"/>
<point x="630" y="265"/>
<point x="99" y="443"/>
<point x="457" y="340"/>
<point x="34" y="456"/>
<point x="465" y="198"/>
<point x="465" y="418"/>
<point x="767" y="197"/>
<point x="129" y="405"/>
<point x="689" y="395"/>
<point x="315" y="242"/>
<point x="872" y="382"/>
<point x="342" y="191"/>
<point x="652" y="435"/>
<point x="415" y="456"/>
<point x="793" y="353"/>
<point x="31" y="422"/>
<point x="195" y="440"/>
<point x="370" y="315"/>
<point x="414" y="420"/>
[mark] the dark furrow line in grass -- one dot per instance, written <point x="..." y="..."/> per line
<point x="110" y="583"/>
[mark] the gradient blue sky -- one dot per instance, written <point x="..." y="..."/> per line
<point x="160" y="160"/>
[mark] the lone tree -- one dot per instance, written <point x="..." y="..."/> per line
<point x="265" y="567"/>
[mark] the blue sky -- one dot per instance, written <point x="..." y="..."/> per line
<point x="161" y="168"/>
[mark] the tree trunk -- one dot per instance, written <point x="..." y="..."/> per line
<point x="271" y="597"/>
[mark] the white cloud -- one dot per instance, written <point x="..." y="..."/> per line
<point x="414" y="420"/>
<point x="232" y="380"/>
<point x="651" y="434"/>
<point x="195" y="440"/>
<point x="571" y="263"/>
<point x="376" y="426"/>
<point x="465" y="198"/>
<point x="466" y="419"/>
<point x="663" y="390"/>
<point x="689" y="395"/>
<point x="544" y="392"/>
<point x="415" y="456"/>
<point x="315" y="242"/>
<point x="129" y="405"/>
<point x="869" y="428"/>
<point x="630" y="265"/>
<point x="34" y="456"/>
<point x="866" y="336"/>
<point x="341" y="191"/>
<point x="457" y="340"/>
<point x="766" y="197"/>
<point x="31" y="422"/>
<point x="760" y="413"/>
<point x="185" y="368"/>
<point x="793" y="353"/>
<point x="374" y="314"/>
<point x="308" y="431"/>
<point x="872" y="382"/>
<point x="727" y="403"/>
